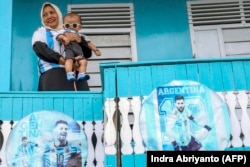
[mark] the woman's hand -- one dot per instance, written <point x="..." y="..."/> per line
<point x="64" y="39"/>
<point x="73" y="37"/>
<point x="61" y="61"/>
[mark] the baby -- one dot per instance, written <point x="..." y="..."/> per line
<point x="73" y="51"/>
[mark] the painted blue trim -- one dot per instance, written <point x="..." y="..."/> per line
<point x="227" y="77"/>
<point x="140" y="78"/>
<point x="171" y="62"/>
<point x="110" y="161"/>
<point x="239" y="75"/>
<point x="140" y="160"/>
<point x="216" y="76"/>
<point x="127" y="160"/>
<point x="204" y="71"/>
<point x="80" y="106"/>
<point x="123" y="81"/>
<point x="5" y="47"/>
<point x="246" y="69"/>
<point x="192" y="72"/>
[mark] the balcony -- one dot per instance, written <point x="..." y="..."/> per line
<point x="110" y="118"/>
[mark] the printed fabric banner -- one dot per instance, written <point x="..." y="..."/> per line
<point x="184" y="116"/>
<point x="46" y="139"/>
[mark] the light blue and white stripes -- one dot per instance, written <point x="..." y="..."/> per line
<point x="207" y="109"/>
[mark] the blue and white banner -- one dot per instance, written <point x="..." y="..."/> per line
<point x="46" y="139"/>
<point x="184" y="116"/>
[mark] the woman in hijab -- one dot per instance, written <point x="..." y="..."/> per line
<point x="49" y="51"/>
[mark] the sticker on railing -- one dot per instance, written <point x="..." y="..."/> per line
<point x="46" y="139"/>
<point x="184" y="115"/>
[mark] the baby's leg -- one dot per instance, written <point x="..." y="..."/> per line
<point x="68" y="69"/>
<point x="69" y="60"/>
<point x="68" y="65"/>
<point x="82" y="70"/>
<point x="83" y="65"/>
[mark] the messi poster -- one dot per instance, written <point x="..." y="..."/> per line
<point x="184" y="116"/>
<point x="46" y="139"/>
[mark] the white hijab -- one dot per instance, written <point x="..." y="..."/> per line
<point x="60" y="20"/>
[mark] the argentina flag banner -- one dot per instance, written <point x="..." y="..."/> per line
<point x="184" y="116"/>
<point x="47" y="139"/>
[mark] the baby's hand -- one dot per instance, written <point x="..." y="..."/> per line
<point x="97" y="52"/>
<point x="73" y="37"/>
<point x="65" y="40"/>
<point x="62" y="38"/>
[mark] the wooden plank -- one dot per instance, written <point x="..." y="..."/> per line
<point x="168" y="73"/>
<point x="110" y="160"/>
<point x="246" y="65"/>
<point x="227" y="76"/>
<point x="127" y="160"/>
<point x="94" y="72"/>
<point x="6" y="109"/>
<point x="110" y="83"/>
<point x="192" y="72"/>
<point x="88" y="110"/>
<point x="95" y="80"/>
<point x="98" y="108"/>
<point x="123" y="82"/>
<point x="236" y="34"/>
<point x="215" y="76"/>
<point x="134" y="81"/>
<point x="68" y="106"/>
<point x="37" y="104"/>
<point x="95" y="89"/>
<point x="28" y="104"/>
<point x="78" y="108"/>
<point x="110" y="40"/>
<point x="114" y="53"/>
<point x="58" y="104"/>
<point x="207" y="43"/>
<point x="204" y="74"/>
<point x="157" y="72"/>
<point x="180" y="72"/>
<point x="145" y="80"/>
<point x="93" y="64"/>
<point x="48" y="103"/>
<point x="239" y="75"/>
<point x="237" y="48"/>
<point x="140" y="160"/>
<point x="17" y="108"/>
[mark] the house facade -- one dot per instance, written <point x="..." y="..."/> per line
<point x="144" y="44"/>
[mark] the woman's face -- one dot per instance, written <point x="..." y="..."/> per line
<point x="50" y="17"/>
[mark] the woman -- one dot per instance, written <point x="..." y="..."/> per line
<point x="49" y="52"/>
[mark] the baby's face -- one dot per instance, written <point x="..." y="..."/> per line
<point x="72" y="23"/>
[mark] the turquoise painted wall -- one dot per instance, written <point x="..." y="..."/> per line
<point x="5" y="45"/>
<point x="161" y="32"/>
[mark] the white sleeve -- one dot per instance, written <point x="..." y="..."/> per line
<point x="39" y="35"/>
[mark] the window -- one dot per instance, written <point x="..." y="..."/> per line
<point x="219" y="28"/>
<point x="111" y="27"/>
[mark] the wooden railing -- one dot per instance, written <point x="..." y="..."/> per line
<point x="126" y="84"/>
<point x="130" y="107"/>
<point x="85" y="108"/>
<point x="124" y="87"/>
